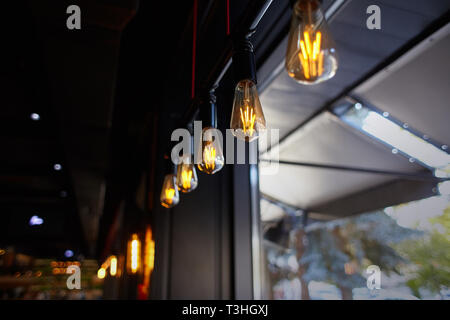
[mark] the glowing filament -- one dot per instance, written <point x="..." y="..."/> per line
<point x="170" y="193"/>
<point x="186" y="177"/>
<point x="113" y="266"/>
<point x="248" y="120"/>
<point x="134" y="254"/>
<point x="209" y="157"/>
<point x="101" y="273"/>
<point x="311" y="56"/>
<point x="149" y="259"/>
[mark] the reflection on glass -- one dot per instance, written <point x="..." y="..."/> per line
<point x="330" y="259"/>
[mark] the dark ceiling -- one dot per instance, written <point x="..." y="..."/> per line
<point x="98" y="92"/>
<point x="95" y="90"/>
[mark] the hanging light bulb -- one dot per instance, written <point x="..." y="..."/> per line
<point x="113" y="266"/>
<point x="149" y="260"/>
<point x="134" y="254"/>
<point x="311" y="55"/>
<point x="247" y="118"/>
<point x="210" y="151"/>
<point x="101" y="273"/>
<point x="186" y="175"/>
<point x="169" y="193"/>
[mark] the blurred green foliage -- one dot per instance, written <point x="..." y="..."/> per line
<point x="430" y="256"/>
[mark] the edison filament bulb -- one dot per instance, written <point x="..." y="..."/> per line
<point x="169" y="193"/>
<point x="211" y="154"/>
<point x="311" y="55"/>
<point x="247" y="118"/>
<point x="186" y="175"/>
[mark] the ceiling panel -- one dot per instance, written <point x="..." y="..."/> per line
<point x="417" y="92"/>
<point x="326" y="140"/>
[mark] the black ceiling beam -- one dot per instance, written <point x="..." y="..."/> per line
<point x="405" y="175"/>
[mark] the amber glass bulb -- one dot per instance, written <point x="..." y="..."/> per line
<point x="247" y="118"/>
<point x="186" y="175"/>
<point x="169" y="194"/>
<point x="211" y="154"/>
<point x="311" y="54"/>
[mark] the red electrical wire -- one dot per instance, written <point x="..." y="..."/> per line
<point x="194" y="46"/>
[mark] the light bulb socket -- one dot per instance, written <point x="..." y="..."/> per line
<point x="244" y="65"/>
<point x="294" y="2"/>
<point x="191" y="147"/>
<point x="208" y="111"/>
<point x="190" y="127"/>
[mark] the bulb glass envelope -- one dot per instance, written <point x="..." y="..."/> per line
<point x="311" y="55"/>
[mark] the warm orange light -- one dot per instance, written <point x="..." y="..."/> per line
<point x="149" y="259"/>
<point x="186" y="177"/>
<point x="101" y="273"/>
<point x="113" y="266"/>
<point x="210" y="151"/>
<point x="311" y="55"/>
<point x="169" y="195"/>
<point x="209" y="157"/>
<point x="247" y="118"/>
<point x="134" y="254"/>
